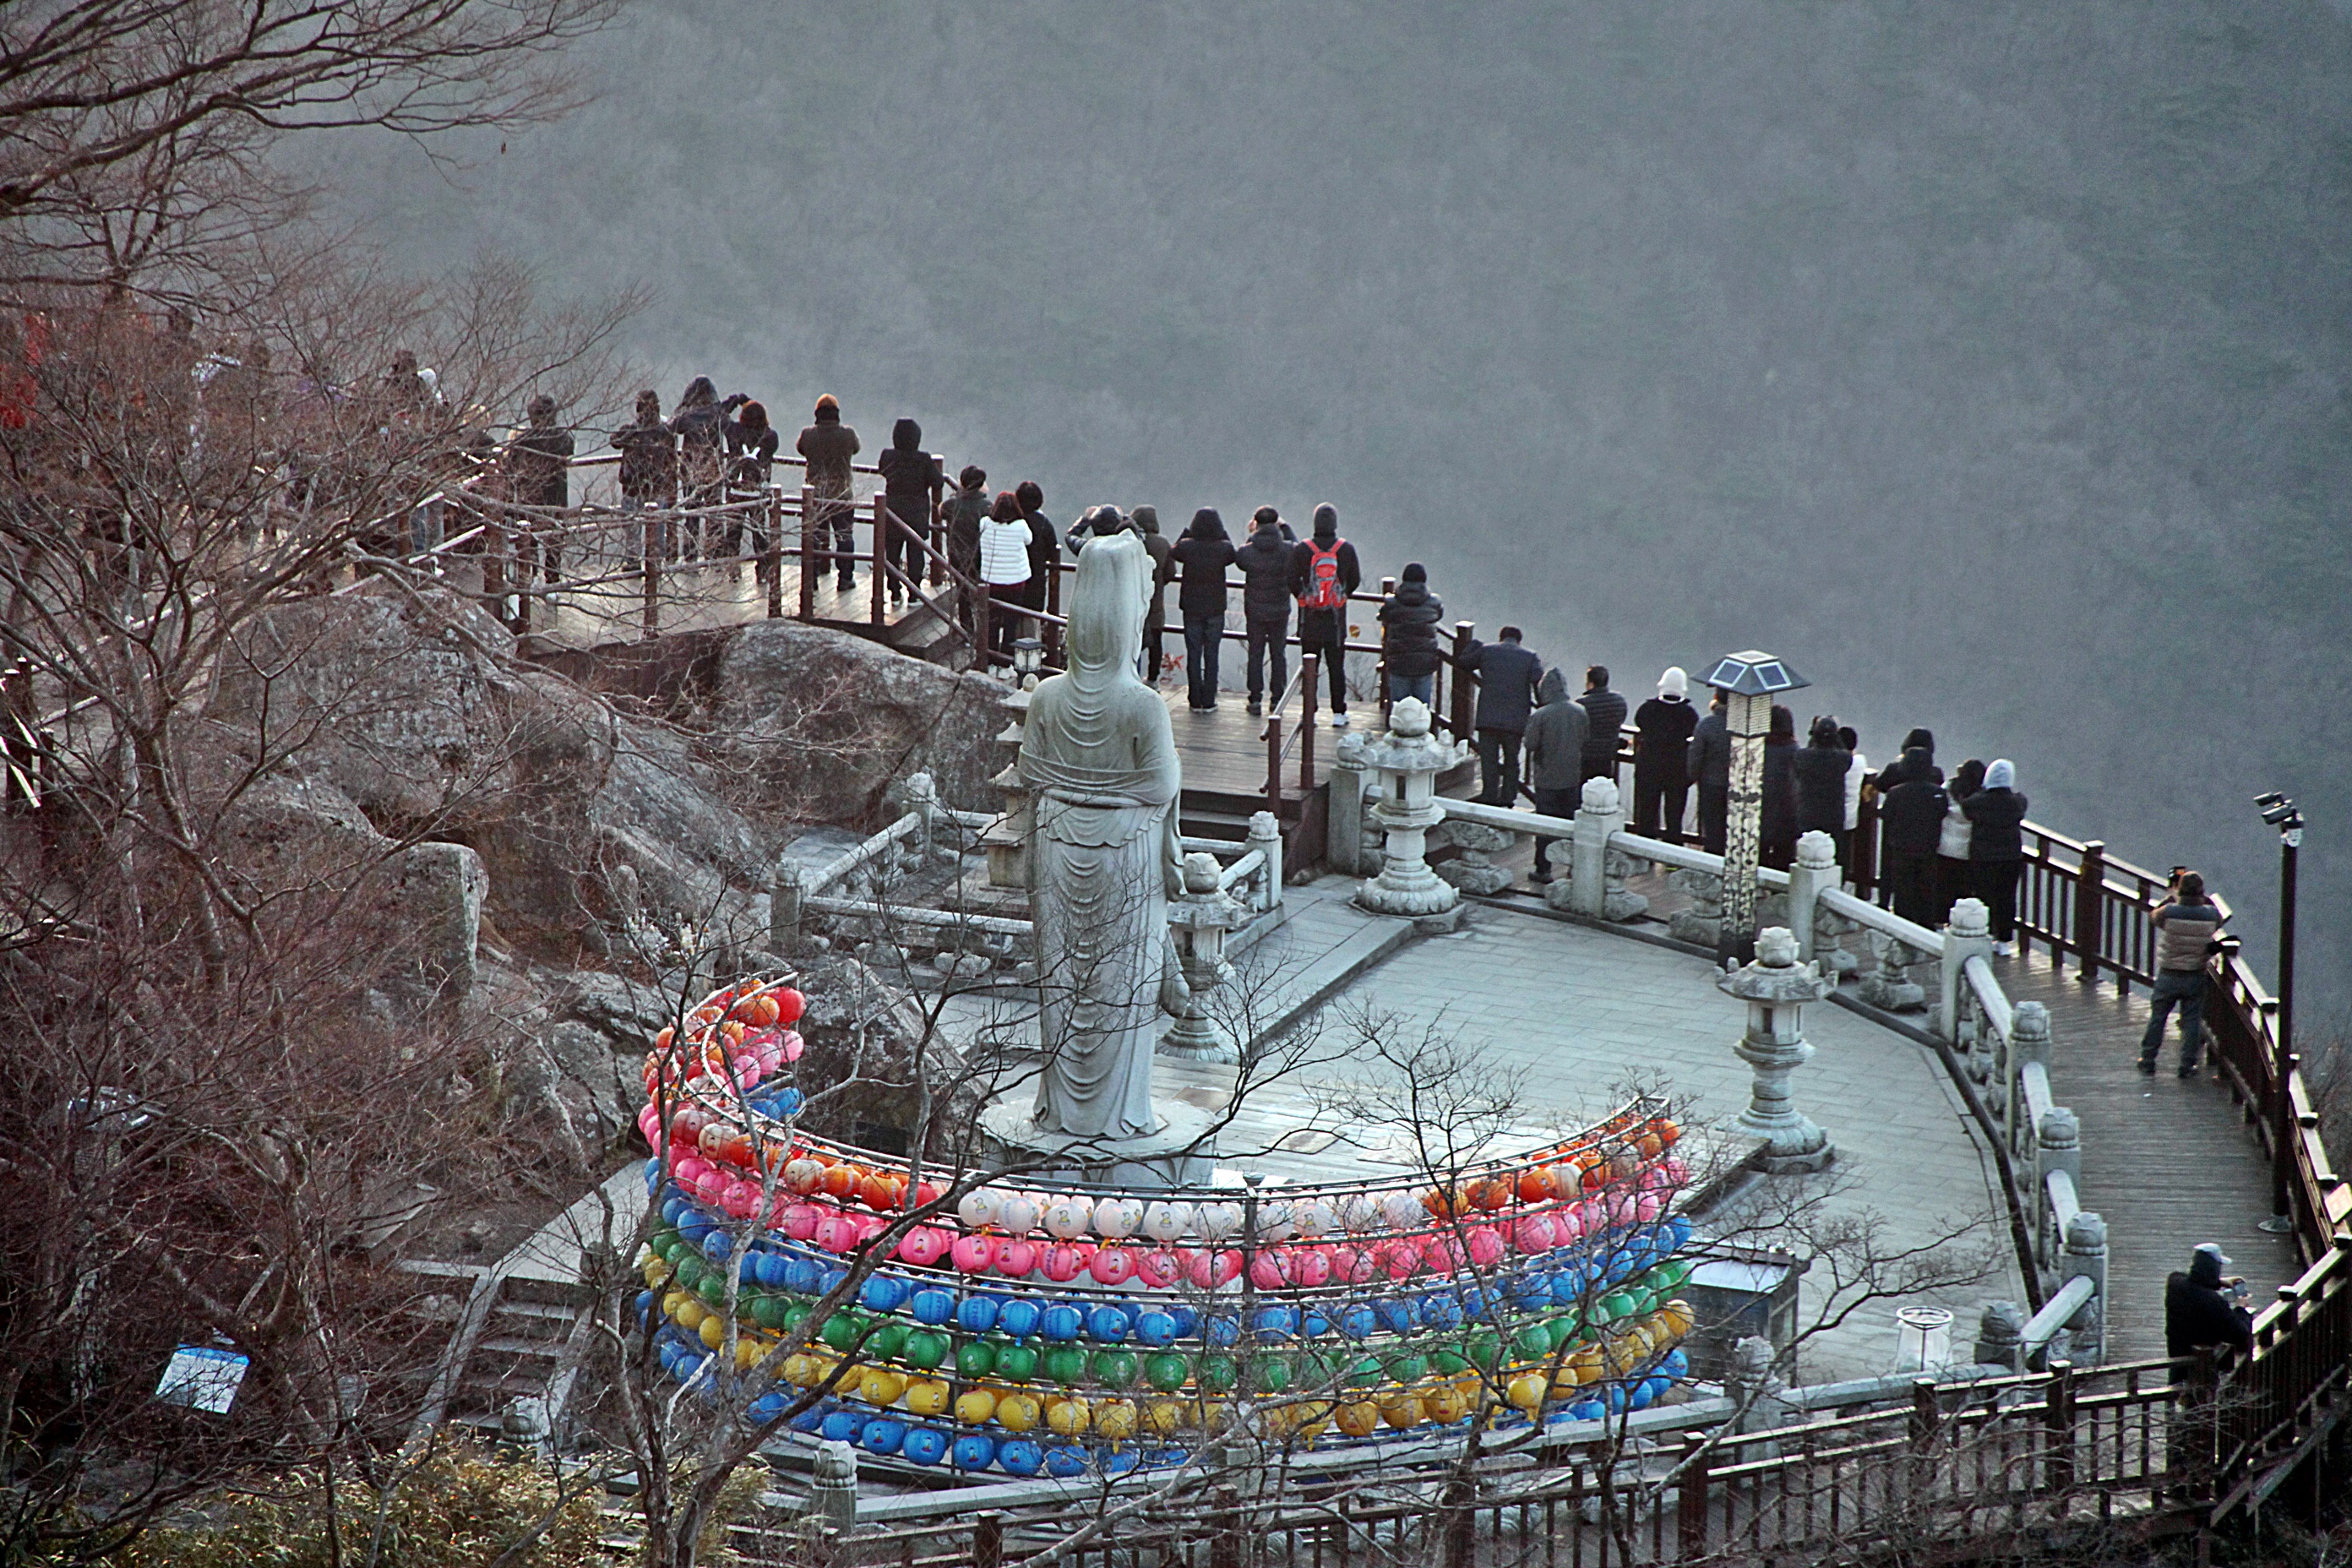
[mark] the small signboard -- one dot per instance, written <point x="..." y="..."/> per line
<point x="203" y="1377"/>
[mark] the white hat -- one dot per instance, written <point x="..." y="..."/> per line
<point x="1674" y="683"/>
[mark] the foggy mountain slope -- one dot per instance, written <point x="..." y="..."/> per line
<point x="1987" y="361"/>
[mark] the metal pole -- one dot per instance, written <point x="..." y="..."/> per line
<point x="2283" y="1131"/>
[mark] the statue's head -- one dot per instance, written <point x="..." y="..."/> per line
<point x="1107" y="605"/>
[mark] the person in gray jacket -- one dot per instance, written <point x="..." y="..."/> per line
<point x="1710" y="770"/>
<point x="1555" y="753"/>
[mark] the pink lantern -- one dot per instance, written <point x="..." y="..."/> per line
<point x="1158" y="1269"/>
<point x="1567" y="1223"/>
<point x="1649" y="1206"/>
<point x="793" y="1045"/>
<point x="1065" y="1261"/>
<point x="837" y="1232"/>
<point x="1310" y="1266"/>
<point x="1399" y="1256"/>
<point x="1486" y="1246"/>
<point x="1228" y="1267"/>
<point x="1016" y="1259"/>
<point x="1676" y="1172"/>
<point x="974" y="1254"/>
<point x="1535" y="1233"/>
<point x="1266" y="1270"/>
<point x="1111" y="1266"/>
<point x="922" y="1246"/>
<point x="649" y="1127"/>
<point x="710" y="1187"/>
<point x="689" y="1169"/>
<point x="741" y="1200"/>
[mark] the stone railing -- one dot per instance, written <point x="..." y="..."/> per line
<point x="2001" y="1053"/>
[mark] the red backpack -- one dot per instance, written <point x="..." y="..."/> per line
<point x="1323" y="591"/>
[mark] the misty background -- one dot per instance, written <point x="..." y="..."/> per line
<point x="1987" y="361"/>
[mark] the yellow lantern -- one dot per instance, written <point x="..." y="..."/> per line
<point x="1017" y="1412"/>
<point x="1068" y="1418"/>
<point x="880" y="1386"/>
<point x="1164" y="1418"/>
<point x="1526" y="1392"/>
<point x="1358" y="1418"/>
<point x="1116" y="1420"/>
<point x="1401" y="1410"/>
<point x="976" y="1408"/>
<point x="713" y="1331"/>
<point x="928" y="1396"/>
<point x="1444" y="1403"/>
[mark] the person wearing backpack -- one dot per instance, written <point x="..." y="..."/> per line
<point x="1323" y="572"/>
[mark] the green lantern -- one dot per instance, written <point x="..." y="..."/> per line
<point x="1217" y="1373"/>
<point x="1113" y="1369"/>
<point x="1066" y="1365"/>
<point x="1166" y="1372"/>
<point x="975" y="1358"/>
<point x="1017" y="1362"/>
<point x="927" y="1350"/>
<point x="768" y="1309"/>
<point x="1273" y="1374"/>
<point x="840" y="1331"/>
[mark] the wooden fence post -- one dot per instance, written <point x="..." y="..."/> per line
<point x="1690" y="1523"/>
<point x="2058" y="1416"/>
<point x="1311" y="668"/>
<point x="1927" y="1416"/>
<point x="1465" y="689"/>
<point x="988" y="1539"/>
<point x="1224" y="1528"/>
<point x="774" y="555"/>
<point x="1047" y="632"/>
<point x="657" y="526"/>
<point x="881" y="538"/>
<point x="1273" y="764"/>
<point x="2090" y="910"/>
<point x="1861" y="852"/>
<point x="811" y="520"/>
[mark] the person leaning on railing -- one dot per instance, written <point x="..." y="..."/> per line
<point x="2188" y="924"/>
<point x="1004" y="568"/>
<point x="1409" y="621"/>
<point x="751" y="459"/>
<point x="2206" y="1307"/>
<point x="1155" y="613"/>
<point x="1663" y="728"/>
<point x="539" y="468"/>
<point x="1911" y="825"/>
<point x="1555" y="746"/>
<point x="911" y="481"/>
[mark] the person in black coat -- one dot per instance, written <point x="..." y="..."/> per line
<point x="751" y="459"/>
<point x="1323" y="572"/>
<point x="1044" y="542"/>
<point x="1506" y="676"/>
<point x="1663" y="728"/>
<point x="912" y="481"/>
<point x="1265" y="561"/>
<point x="1911" y="824"/>
<point x="539" y="466"/>
<point x="1996" y="816"/>
<point x="2206" y="1308"/>
<point x="700" y="426"/>
<point x="1779" y="845"/>
<point x="1918" y="761"/>
<point x="1821" y="769"/>
<point x="1409" y="622"/>
<point x="1198" y="560"/>
<point x="1709" y="760"/>
<point x="1605" y="711"/>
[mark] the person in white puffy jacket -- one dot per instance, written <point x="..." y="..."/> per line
<point x="1004" y="566"/>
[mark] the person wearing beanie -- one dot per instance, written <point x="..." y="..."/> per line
<point x="1663" y="728"/>
<point x="1952" y="882"/>
<point x="1155" y="614"/>
<point x="912" y="481"/>
<point x="1265" y="561"/>
<point x="1918" y="761"/>
<point x="2206" y="1307"/>
<point x="1821" y="769"/>
<point x="1605" y="711"/>
<point x="2186" y="926"/>
<point x="1507" y="675"/>
<point x="1323" y="572"/>
<point x="1199" y="560"/>
<point x="1005" y="569"/>
<point x="751" y="459"/>
<point x="539" y="469"/>
<point x="1996" y="817"/>
<point x="960" y="518"/>
<point x="649" y="457"/>
<point x="1045" y="543"/>
<point x="828" y="446"/>
<point x="1409" y="621"/>
<point x="1911" y="825"/>
<point x="1556" y="732"/>
<point x="700" y="426"/>
<point x="1709" y="766"/>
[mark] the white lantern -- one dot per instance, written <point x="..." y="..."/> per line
<point x="1068" y="1217"/>
<point x="1116" y="1220"/>
<point x="1166" y="1223"/>
<point x="979" y="1208"/>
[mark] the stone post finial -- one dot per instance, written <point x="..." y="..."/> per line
<point x="1969" y="935"/>
<point x="1599" y="794"/>
<point x="1265" y="837"/>
<point x="832" y="1487"/>
<point x="1776" y="989"/>
<point x="2029" y="1035"/>
<point x="1599" y="812"/>
<point x="1815" y="869"/>
<point x="1999" y="1334"/>
<point x="1198" y="922"/>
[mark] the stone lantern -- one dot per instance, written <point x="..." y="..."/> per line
<point x="1007" y="838"/>
<point x="1776" y="988"/>
<point x="1749" y="681"/>
<point x="1409" y="759"/>
<point x="1200" y="921"/>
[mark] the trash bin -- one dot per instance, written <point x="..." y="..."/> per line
<point x="1922" y="1339"/>
<point x="1736" y="1292"/>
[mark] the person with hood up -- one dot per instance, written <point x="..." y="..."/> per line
<point x="1199" y="560"/>
<point x="1709" y="762"/>
<point x="911" y="481"/>
<point x="2206" y="1307"/>
<point x="1778" y="846"/>
<point x="828" y="446"/>
<point x="1155" y="613"/>
<point x="1556" y="733"/>
<point x="1952" y="843"/>
<point x="539" y="473"/>
<point x="1265" y="561"/>
<point x="1506" y="676"/>
<point x="1663" y="728"/>
<point x="751" y="459"/>
<point x="1820" y="768"/>
<point x="960" y="519"/>
<point x="1003" y="567"/>
<point x="700" y="426"/>
<point x="1409" y="620"/>
<point x="1996" y="849"/>
<point x="1606" y="712"/>
<point x="2186" y="926"/>
<point x="1044" y="540"/>
<point x="649" y="457"/>
<point x="1911" y="824"/>
<point x="1323" y="572"/>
